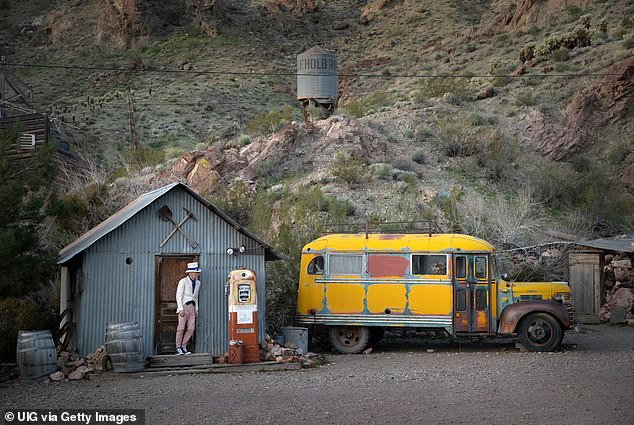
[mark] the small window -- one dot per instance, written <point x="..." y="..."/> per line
<point x="481" y="299"/>
<point x="461" y="267"/>
<point x="316" y="265"/>
<point x="429" y="264"/>
<point x="461" y="300"/>
<point x="481" y="267"/>
<point x="341" y="264"/>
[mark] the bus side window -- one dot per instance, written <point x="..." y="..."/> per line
<point x="461" y="267"/>
<point x="316" y="265"/>
<point x="481" y="267"/>
<point x="429" y="264"/>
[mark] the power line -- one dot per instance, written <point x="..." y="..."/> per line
<point x="290" y="74"/>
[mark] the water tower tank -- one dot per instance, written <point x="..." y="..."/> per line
<point x="317" y="76"/>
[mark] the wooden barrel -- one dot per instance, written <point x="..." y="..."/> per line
<point x="35" y="354"/>
<point x="124" y="346"/>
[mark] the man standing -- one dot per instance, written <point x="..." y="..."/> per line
<point x="187" y="310"/>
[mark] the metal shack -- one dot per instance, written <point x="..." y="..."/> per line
<point x="127" y="269"/>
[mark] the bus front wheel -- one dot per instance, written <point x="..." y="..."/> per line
<point x="349" y="339"/>
<point x="540" y="332"/>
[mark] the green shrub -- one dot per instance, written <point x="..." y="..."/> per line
<point x="268" y="122"/>
<point x="419" y="156"/>
<point x="365" y="105"/>
<point x="36" y="312"/>
<point x="560" y="55"/>
<point x="404" y="164"/>
<point x="628" y="42"/>
<point x="526" y="99"/>
<point x="338" y="208"/>
<point x="500" y="70"/>
<point x="5" y="5"/>
<point x="237" y="201"/>
<point x="438" y="86"/>
<point x="478" y="120"/>
<point x="316" y="113"/>
<point x="496" y="155"/>
<point x="574" y="12"/>
<point x="354" y="108"/>
<point x="618" y="153"/>
<point x="408" y="177"/>
<point x="417" y="96"/>
<point x="581" y="163"/>
<point x="382" y="170"/>
<point x="617" y="33"/>
<point x="348" y="169"/>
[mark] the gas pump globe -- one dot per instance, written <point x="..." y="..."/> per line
<point x="243" y="316"/>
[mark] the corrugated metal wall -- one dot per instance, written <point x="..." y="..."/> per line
<point x="114" y="291"/>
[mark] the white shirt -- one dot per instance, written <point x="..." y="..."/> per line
<point x="185" y="294"/>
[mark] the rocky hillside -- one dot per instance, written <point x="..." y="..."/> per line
<point x="509" y="120"/>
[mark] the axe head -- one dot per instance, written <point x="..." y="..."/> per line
<point x="190" y="214"/>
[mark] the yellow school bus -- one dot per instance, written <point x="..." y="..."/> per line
<point x="359" y="284"/>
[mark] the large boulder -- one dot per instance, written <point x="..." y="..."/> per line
<point x="561" y="136"/>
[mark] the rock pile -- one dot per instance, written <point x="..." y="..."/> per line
<point x="619" y="286"/>
<point x="73" y="368"/>
<point x="272" y="350"/>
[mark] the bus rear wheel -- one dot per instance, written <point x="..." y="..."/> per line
<point x="540" y="332"/>
<point x="349" y="339"/>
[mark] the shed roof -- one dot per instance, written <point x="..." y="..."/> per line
<point x="127" y="212"/>
<point x="623" y="244"/>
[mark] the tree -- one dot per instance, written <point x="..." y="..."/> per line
<point x="27" y="187"/>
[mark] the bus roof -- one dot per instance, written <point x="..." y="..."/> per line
<point x="399" y="242"/>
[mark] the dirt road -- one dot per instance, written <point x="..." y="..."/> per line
<point x="402" y="381"/>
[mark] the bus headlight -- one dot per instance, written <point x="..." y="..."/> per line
<point x="562" y="297"/>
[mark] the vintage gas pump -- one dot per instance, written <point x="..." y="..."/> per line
<point x="243" y="317"/>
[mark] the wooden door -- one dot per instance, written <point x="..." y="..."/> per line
<point x="585" y="282"/>
<point x="169" y="270"/>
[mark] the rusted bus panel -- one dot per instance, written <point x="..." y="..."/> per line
<point x="399" y="243"/>
<point x="382" y="265"/>
<point x="512" y="314"/>
<point x="423" y="321"/>
<point x="481" y="320"/>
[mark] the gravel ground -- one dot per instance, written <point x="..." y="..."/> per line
<point x="402" y="381"/>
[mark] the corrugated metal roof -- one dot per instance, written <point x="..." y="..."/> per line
<point x="127" y="212"/>
<point x="617" y="245"/>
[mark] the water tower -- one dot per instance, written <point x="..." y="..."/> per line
<point x="317" y="79"/>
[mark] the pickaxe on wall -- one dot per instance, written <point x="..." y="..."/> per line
<point x="166" y="214"/>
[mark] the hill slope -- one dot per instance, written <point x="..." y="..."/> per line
<point x="438" y="117"/>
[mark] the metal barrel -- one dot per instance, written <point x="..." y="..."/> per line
<point x="124" y="346"/>
<point x="295" y="337"/>
<point x="35" y="354"/>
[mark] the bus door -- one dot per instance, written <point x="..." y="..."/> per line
<point x="472" y="288"/>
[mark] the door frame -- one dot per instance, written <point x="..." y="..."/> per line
<point x="157" y="293"/>
<point x="472" y="284"/>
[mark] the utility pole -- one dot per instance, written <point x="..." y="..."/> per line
<point x="13" y="89"/>
<point x="131" y="111"/>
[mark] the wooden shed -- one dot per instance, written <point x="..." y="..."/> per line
<point x="127" y="269"/>
<point x="586" y="271"/>
<point x="33" y="133"/>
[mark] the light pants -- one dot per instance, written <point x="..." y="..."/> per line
<point x="188" y="321"/>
